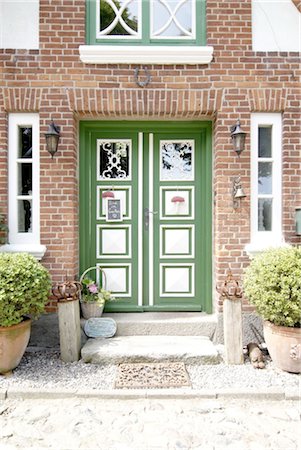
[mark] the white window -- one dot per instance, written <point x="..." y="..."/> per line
<point x="24" y="185"/>
<point x="266" y="181"/>
<point x="146" y="31"/>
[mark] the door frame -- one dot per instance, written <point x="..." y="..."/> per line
<point x="86" y="128"/>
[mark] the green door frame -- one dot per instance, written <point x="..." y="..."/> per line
<point x="88" y="131"/>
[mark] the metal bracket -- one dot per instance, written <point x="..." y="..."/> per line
<point x="144" y="83"/>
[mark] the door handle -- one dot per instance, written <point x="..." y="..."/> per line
<point x="147" y="212"/>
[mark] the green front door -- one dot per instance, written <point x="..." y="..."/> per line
<point x="145" y="212"/>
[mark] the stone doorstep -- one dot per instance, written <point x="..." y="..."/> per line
<point x="121" y="349"/>
<point x="45" y="330"/>
<point x="165" y="323"/>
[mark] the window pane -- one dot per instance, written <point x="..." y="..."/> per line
<point x="118" y="18"/>
<point x="176" y="160"/>
<point x="265" y="177"/>
<point x="25" y="142"/>
<point x="25" y="179"/>
<point x="264" y="142"/>
<point x="114" y="160"/>
<point x="24" y="216"/>
<point x="172" y="18"/>
<point x="265" y="214"/>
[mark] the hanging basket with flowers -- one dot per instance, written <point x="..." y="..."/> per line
<point x="94" y="294"/>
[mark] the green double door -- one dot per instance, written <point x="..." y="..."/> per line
<point x="145" y="212"/>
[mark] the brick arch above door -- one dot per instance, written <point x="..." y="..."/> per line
<point x="150" y="103"/>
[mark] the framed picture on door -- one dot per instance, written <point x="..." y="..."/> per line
<point x="114" y="210"/>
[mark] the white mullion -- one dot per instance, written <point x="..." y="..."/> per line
<point x="151" y="222"/>
<point x="140" y="219"/>
<point x="265" y="196"/>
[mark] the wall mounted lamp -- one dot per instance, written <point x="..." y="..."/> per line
<point x="238" y="138"/>
<point x="52" y="138"/>
<point x="298" y="221"/>
<point x="237" y="192"/>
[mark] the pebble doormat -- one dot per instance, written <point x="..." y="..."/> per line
<point x="151" y="375"/>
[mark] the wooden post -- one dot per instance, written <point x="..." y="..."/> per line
<point x="70" y="332"/>
<point x="233" y="331"/>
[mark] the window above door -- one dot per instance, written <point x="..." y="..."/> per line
<point x="146" y="31"/>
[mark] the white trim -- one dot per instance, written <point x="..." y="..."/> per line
<point x="264" y="239"/>
<point x="101" y="255"/>
<point x="143" y="54"/>
<point x="254" y="249"/>
<point x="128" y="205"/>
<point x="118" y="266"/>
<point x="16" y="238"/>
<point x="177" y="255"/>
<point x="36" y="250"/>
<point x="140" y="219"/>
<point x="178" y="189"/>
<point x="151" y="221"/>
<point x="180" y="294"/>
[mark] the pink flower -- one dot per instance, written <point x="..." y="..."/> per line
<point x="93" y="288"/>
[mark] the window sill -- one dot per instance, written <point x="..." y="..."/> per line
<point x="108" y="54"/>
<point x="36" y="250"/>
<point x="254" y="248"/>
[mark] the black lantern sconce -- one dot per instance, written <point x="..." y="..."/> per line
<point x="237" y="192"/>
<point x="52" y="138"/>
<point x="238" y="138"/>
<point x="298" y="221"/>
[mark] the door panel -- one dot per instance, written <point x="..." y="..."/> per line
<point x="177" y="250"/>
<point x="158" y="256"/>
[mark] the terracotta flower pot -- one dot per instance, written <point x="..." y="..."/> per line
<point x="284" y="346"/>
<point x="91" y="309"/>
<point x="13" y="343"/>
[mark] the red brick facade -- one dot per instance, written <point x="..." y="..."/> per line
<point x="54" y="82"/>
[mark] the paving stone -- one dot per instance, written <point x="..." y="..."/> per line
<point x="168" y="424"/>
<point x="121" y="349"/>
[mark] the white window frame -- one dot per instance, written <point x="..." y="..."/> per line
<point x="261" y="240"/>
<point x="143" y="53"/>
<point x="23" y="241"/>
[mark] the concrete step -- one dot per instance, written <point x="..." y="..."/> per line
<point x="164" y="323"/>
<point x="121" y="349"/>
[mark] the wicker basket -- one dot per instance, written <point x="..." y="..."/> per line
<point x="92" y="309"/>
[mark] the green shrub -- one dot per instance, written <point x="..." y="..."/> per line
<point x="272" y="283"/>
<point x="24" y="287"/>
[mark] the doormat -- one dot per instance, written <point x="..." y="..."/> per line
<point x="151" y="375"/>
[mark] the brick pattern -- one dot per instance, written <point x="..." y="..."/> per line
<point x="21" y="99"/>
<point x="116" y="103"/>
<point x="266" y="100"/>
<point x="54" y="82"/>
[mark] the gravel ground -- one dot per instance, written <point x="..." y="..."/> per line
<point x="44" y="369"/>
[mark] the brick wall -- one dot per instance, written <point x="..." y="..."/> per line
<point x="55" y="83"/>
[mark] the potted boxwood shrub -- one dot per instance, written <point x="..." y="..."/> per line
<point x="24" y="291"/>
<point x="272" y="282"/>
